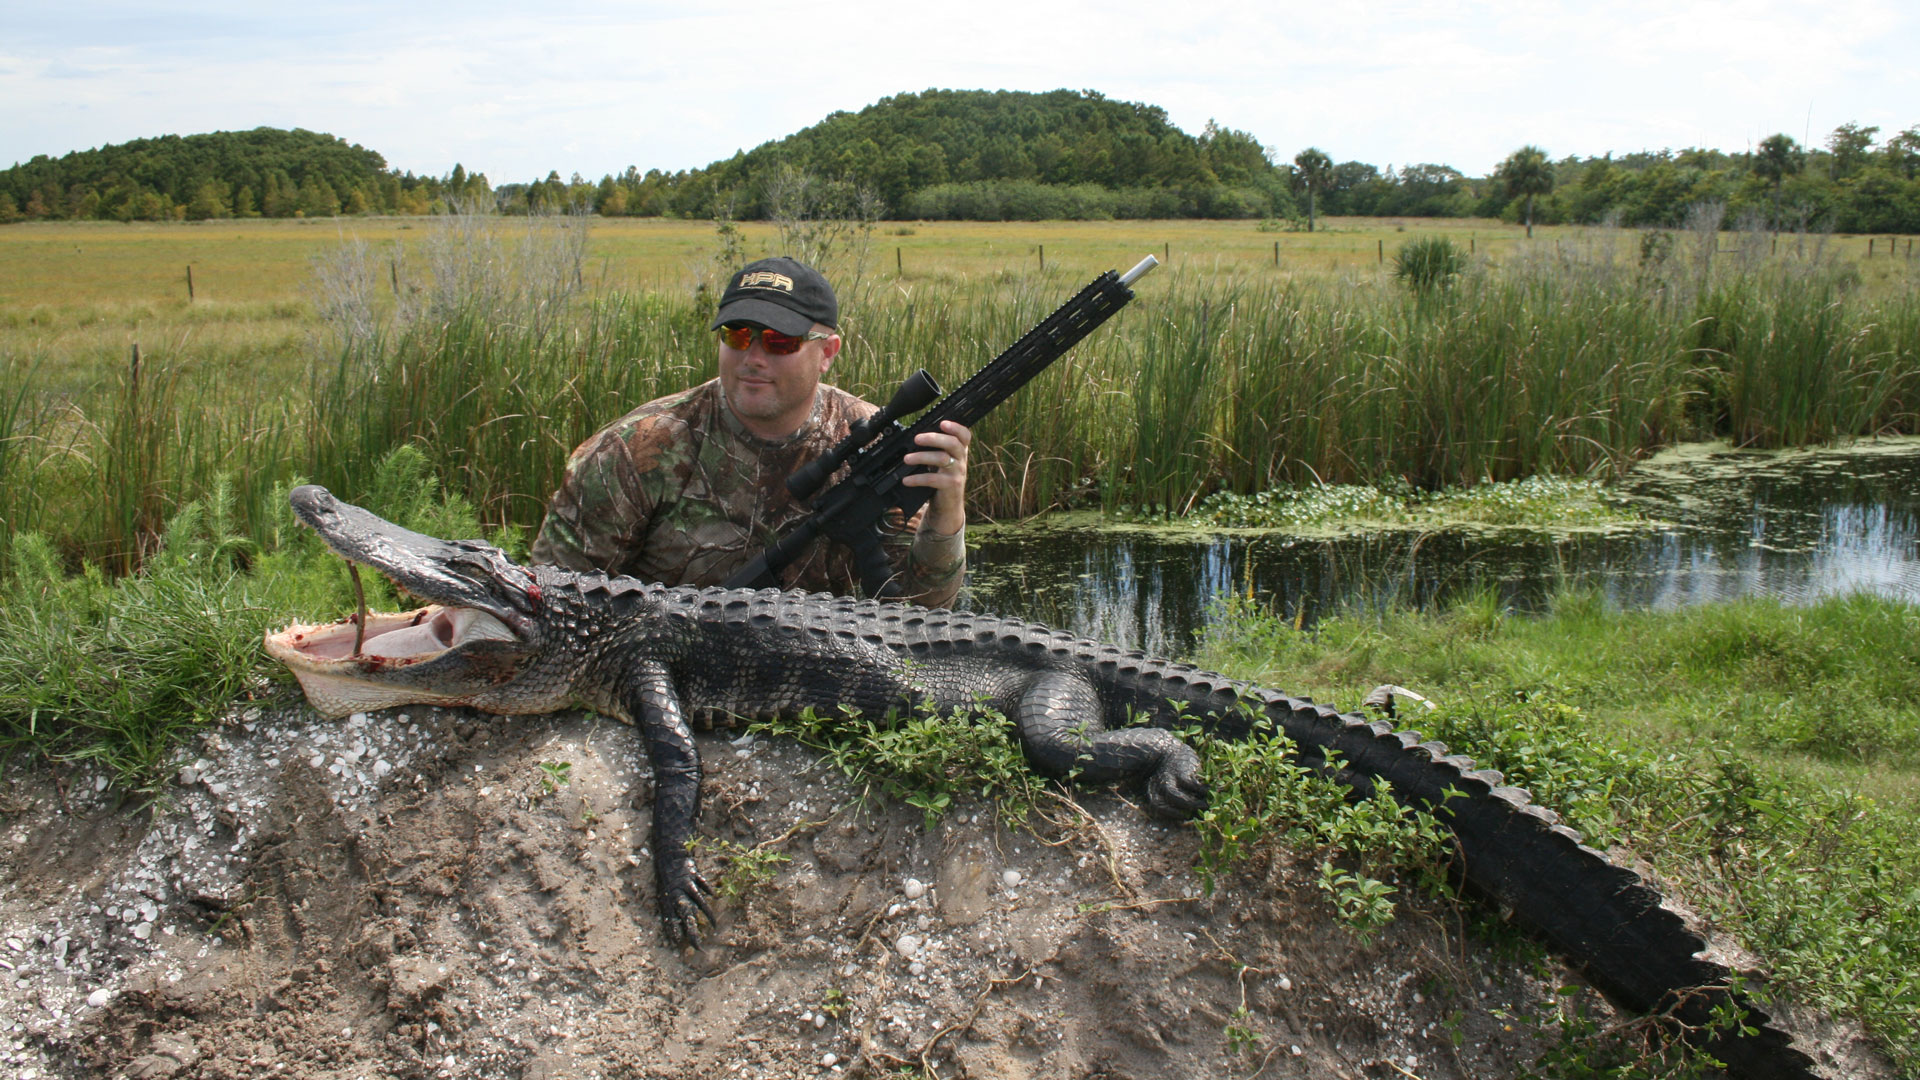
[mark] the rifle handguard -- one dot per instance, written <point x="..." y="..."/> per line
<point x="914" y="394"/>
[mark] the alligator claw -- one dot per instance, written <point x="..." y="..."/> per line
<point x="1175" y="790"/>
<point x="682" y="903"/>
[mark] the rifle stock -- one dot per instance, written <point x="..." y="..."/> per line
<point x="851" y="512"/>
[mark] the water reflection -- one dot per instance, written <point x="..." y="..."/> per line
<point x="1795" y="526"/>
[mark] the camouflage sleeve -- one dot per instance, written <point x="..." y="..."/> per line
<point x="936" y="567"/>
<point x="599" y="517"/>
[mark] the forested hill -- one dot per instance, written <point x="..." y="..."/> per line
<point x="925" y="155"/>
<point x="263" y="172"/>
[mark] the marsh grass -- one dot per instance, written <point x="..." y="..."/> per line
<point x="496" y="358"/>
<point x="117" y="672"/>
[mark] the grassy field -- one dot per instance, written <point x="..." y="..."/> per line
<point x="75" y="296"/>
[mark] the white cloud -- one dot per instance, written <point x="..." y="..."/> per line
<point x="515" y="91"/>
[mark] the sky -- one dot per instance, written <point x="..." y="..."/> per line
<point x="517" y="89"/>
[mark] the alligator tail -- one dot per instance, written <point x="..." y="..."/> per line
<point x="1607" y="921"/>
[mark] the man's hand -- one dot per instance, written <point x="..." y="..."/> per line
<point x="946" y="451"/>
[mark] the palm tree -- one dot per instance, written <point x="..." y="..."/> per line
<point x="1313" y="169"/>
<point x="1526" y="172"/>
<point x="1778" y="158"/>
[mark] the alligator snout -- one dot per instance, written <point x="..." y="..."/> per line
<point x="312" y="499"/>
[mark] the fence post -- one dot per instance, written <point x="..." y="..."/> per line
<point x="1276" y="252"/>
<point x="1381" y="251"/>
<point x="1166" y="253"/>
<point x="1470" y="245"/>
<point x="393" y="272"/>
<point x="189" y="282"/>
<point x="1043" y="257"/>
<point x="899" y="268"/>
<point x="1869" y="247"/>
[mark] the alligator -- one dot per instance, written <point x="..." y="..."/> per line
<point x="512" y="639"/>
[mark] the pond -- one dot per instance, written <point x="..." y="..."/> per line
<point x="1722" y="524"/>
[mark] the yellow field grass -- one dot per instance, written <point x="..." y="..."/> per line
<point x="75" y="296"/>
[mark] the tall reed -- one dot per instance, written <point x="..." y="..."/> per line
<point x="1564" y="363"/>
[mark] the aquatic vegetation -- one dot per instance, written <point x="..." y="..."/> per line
<point x="1530" y="502"/>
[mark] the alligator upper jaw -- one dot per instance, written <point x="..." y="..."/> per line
<point x="466" y="574"/>
<point x="339" y="680"/>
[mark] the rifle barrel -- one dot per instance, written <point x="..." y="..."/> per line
<point x="1139" y="270"/>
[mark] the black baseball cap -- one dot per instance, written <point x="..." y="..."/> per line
<point x="784" y="294"/>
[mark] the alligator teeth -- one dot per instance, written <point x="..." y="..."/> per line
<point x="359" y="606"/>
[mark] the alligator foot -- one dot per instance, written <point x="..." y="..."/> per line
<point x="1175" y="790"/>
<point x="683" y="900"/>
<point x="1061" y="741"/>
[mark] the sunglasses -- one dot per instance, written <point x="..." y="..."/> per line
<point x="775" y="342"/>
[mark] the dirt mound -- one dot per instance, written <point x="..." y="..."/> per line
<point x="429" y="893"/>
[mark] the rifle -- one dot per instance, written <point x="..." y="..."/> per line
<point x="851" y="511"/>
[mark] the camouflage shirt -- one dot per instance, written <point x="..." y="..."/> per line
<point x="679" y="491"/>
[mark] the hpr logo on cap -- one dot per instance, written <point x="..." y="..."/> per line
<point x="766" y="279"/>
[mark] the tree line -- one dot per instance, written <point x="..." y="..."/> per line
<point x="1003" y="155"/>
<point x="266" y="172"/>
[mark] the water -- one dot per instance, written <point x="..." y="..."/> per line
<point x="1796" y="526"/>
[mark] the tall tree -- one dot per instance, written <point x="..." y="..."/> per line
<point x="1526" y="172"/>
<point x="1312" y="168"/>
<point x="1903" y="152"/>
<point x="1850" y="143"/>
<point x="1777" y="158"/>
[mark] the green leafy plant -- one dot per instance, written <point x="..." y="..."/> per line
<point x="555" y="775"/>
<point x="924" y="758"/>
<point x="1264" y="796"/>
<point x="1241" y="1035"/>
<point x="746" y="869"/>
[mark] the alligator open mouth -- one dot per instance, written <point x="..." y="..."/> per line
<point x="343" y="670"/>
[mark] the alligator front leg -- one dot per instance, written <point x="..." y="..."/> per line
<point x="655" y="707"/>
<point x="1059" y="718"/>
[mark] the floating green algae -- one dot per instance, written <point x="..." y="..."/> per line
<point x="1536" y="502"/>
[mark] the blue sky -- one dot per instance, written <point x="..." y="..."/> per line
<point x="513" y="90"/>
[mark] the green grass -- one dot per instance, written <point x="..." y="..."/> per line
<point x="117" y="672"/>
<point x="1765" y="758"/>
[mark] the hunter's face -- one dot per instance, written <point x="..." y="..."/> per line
<point x="772" y="394"/>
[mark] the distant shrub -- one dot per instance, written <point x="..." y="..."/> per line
<point x="1656" y="247"/>
<point x="1429" y="263"/>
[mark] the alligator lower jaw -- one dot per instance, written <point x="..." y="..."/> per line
<point x="343" y="671"/>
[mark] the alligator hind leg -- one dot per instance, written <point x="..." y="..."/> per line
<point x="1059" y="718"/>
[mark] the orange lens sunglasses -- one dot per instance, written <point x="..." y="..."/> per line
<point x="775" y="342"/>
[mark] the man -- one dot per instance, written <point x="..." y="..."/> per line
<point x="688" y="488"/>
